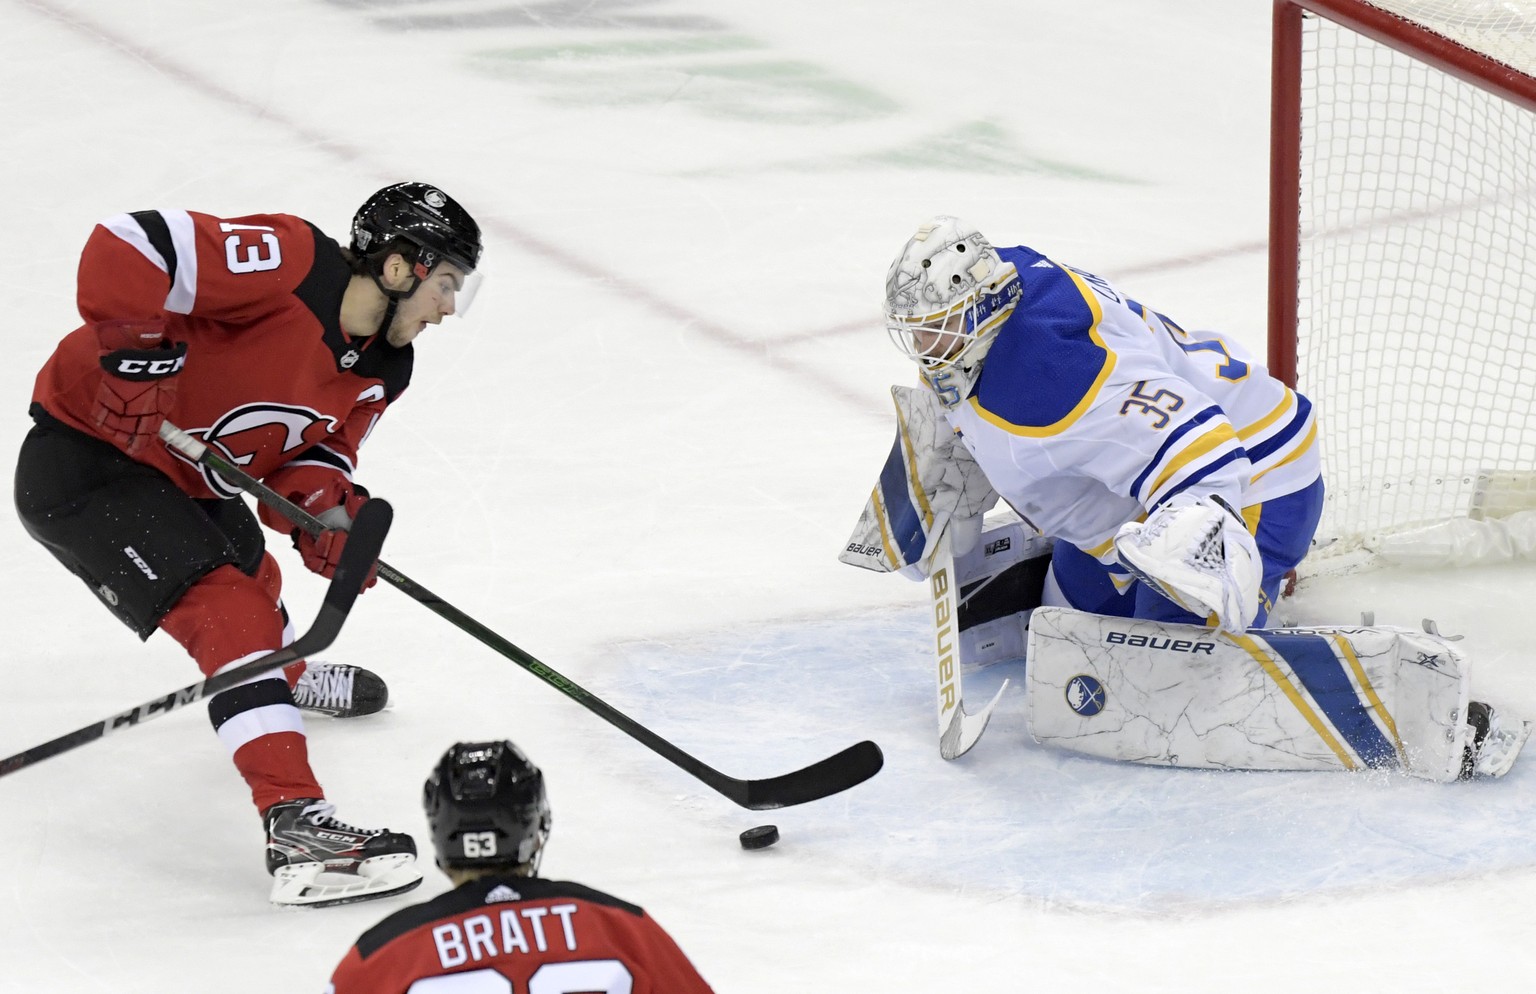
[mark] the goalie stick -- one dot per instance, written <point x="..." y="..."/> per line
<point x="832" y="775"/>
<point x="958" y="731"/>
<point x="357" y="557"/>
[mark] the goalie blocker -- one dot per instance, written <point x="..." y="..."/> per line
<point x="1337" y="698"/>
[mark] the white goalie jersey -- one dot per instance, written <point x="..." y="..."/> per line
<point x="1092" y="408"/>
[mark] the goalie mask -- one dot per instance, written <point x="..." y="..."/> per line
<point x="487" y="809"/>
<point x="946" y="295"/>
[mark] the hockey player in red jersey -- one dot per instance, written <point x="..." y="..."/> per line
<point x="503" y="927"/>
<point x="271" y="343"/>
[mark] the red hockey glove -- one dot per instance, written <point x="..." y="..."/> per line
<point x="328" y="496"/>
<point x="138" y="385"/>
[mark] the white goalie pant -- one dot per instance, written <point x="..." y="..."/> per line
<point x="1282" y="699"/>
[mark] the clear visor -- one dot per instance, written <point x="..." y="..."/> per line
<point x="464" y="297"/>
<point x="455" y="288"/>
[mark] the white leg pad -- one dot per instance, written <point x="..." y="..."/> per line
<point x="1283" y="699"/>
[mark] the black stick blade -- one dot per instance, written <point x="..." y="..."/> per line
<point x="365" y="540"/>
<point x="832" y="775"/>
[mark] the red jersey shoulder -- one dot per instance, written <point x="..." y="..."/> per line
<point x="183" y="262"/>
<point x="249" y="265"/>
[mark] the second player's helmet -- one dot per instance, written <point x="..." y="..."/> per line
<point x="423" y="215"/>
<point x="487" y="808"/>
<point x="945" y="297"/>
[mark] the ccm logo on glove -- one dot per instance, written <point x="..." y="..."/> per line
<point x="138" y="391"/>
<point x="130" y="366"/>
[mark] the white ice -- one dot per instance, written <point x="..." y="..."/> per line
<point x="638" y="457"/>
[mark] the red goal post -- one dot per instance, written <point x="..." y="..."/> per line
<point x="1403" y="268"/>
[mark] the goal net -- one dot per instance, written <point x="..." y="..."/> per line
<point x="1403" y="268"/>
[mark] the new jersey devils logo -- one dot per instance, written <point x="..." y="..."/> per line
<point x="256" y="429"/>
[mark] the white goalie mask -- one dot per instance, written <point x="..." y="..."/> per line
<point x="945" y="297"/>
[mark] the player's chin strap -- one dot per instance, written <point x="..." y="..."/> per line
<point x="420" y="270"/>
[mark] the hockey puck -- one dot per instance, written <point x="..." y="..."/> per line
<point x="760" y="837"/>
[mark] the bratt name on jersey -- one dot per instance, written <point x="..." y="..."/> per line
<point x="477" y="937"/>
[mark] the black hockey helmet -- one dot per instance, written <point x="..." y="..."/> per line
<point x="423" y="215"/>
<point x="487" y="808"/>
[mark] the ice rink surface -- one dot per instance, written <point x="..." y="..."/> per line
<point x="638" y="456"/>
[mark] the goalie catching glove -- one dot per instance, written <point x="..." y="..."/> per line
<point x="329" y="497"/>
<point x="1197" y="552"/>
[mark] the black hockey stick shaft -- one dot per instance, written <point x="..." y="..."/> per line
<point x="836" y="773"/>
<point x="357" y="558"/>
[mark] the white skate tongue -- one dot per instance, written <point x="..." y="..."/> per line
<point x="318" y="885"/>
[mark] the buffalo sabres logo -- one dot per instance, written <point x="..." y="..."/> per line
<point x="253" y="429"/>
<point x="1085" y="695"/>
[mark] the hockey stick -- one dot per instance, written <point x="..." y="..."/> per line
<point x="357" y="557"/>
<point x="958" y="731"/>
<point x="836" y="773"/>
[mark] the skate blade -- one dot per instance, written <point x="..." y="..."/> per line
<point x="315" y="885"/>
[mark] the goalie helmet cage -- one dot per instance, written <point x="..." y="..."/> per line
<point x="1403" y="257"/>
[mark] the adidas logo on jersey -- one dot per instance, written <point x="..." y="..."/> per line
<point x="501" y="892"/>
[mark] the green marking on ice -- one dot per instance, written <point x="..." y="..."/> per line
<point x="784" y="92"/>
<point x="490" y="59"/>
<point x="982" y="146"/>
<point x="729" y="76"/>
<point x="978" y="147"/>
<point x="655" y="71"/>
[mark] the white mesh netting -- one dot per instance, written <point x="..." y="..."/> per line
<point x="1415" y="335"/>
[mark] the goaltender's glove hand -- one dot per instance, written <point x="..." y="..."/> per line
<point x="328" y="496"/>
<point x="1196" y="551"/>
<point x="138" y="383"/>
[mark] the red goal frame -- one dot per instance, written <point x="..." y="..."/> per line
<point x="1285" y="133"/>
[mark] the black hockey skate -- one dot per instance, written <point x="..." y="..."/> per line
<point x="317" y="861"/>
<point x="340" y="691"/>
<point x="1496" y="741"/>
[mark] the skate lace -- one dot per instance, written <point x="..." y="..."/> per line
<point x="325" y="686"/>
<point x="322" y="814"/>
